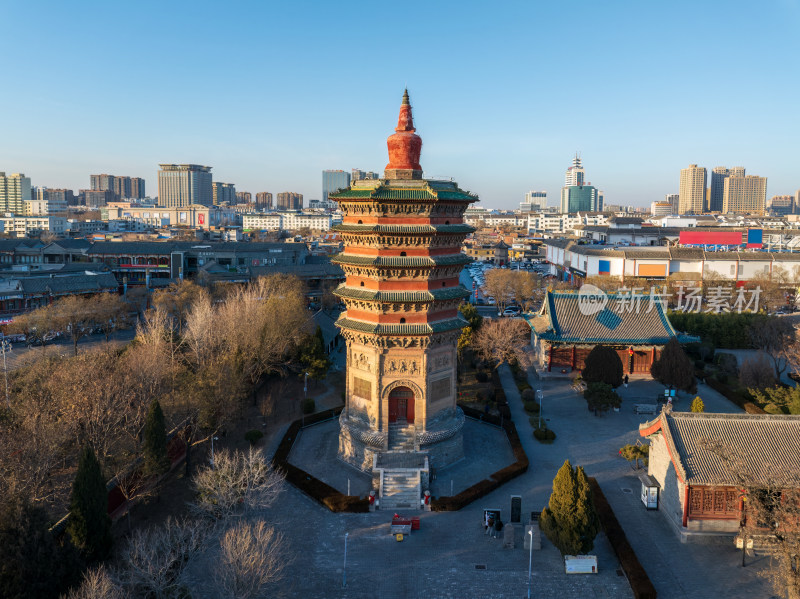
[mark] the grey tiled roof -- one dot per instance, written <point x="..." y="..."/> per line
<point x="613" y="324"/>
<point x="765" y="444"/>
<point x="60" y="285"/>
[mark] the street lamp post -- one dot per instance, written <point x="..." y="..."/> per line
<point x="540" y="397"/>
<point x="530" y="559"/>
<point x="344" y="568"/>
<point x="305" y="386"/>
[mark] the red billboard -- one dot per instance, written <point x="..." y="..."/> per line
<point x="711" y="238"/>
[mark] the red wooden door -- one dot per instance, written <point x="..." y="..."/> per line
<point x="401" y="405"/>
<point x="392" y="410"/>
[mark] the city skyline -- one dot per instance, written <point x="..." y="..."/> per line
<point x="514" y="126"/>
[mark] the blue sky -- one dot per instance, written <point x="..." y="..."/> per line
<point x="271" y="93"/>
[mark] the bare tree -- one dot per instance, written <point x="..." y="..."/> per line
<point x="110" y="313"/>
<point x="772" y="513"/>
<point x="177" y="300"/>
<point x="76" y="315"/>
<point x="235" y="481"/>
<point x="155" y="561"/>
<point x="97" y="584"/>
<point x="503" y="340"/>
<point x="773" y="335"/>
<point x="37" y="326"/>
<point x="253" y="558"/>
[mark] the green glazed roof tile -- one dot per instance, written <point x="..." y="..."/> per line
<point x="401" y="329"/>
<point x="400" y="296"/>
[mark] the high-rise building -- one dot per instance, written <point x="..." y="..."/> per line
<point x="244" y="197"/>
<point x="781" y="205"/>
<point x="184" y="185"/>
<point x="359" y="175"/>
<point x="745" y="195"/>
<point x="692" y="194"/>
<point x="137" y="188"/>
<point x="15" y="190"/>
<point x="534" y="201"/>
<point x="96" y="197"/>
<point x="223" y="193"/>
<point x="660" y="208"/>
<point x="672" y="199"/>
<point x="581" y="198"/>
<point x="334" y="181"/>
<point x="575" y="174"/>
<point x="288" y="200"/>
<point x="120" y="187"/>
<point x="717" y="189"/>
<point x="264" y="200"/>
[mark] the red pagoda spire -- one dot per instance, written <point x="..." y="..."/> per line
<point x="404" y="146"/>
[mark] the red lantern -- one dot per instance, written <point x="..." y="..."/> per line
<point x="630" y="351"/>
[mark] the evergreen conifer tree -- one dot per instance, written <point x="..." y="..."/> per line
<point x="156" y="460"/>
<point x="698" y="405"/>
<point x="32" y="562"/>
<point x="603" y="365"/>
<point x="570" y="520"/>
<point x="674" y="368"/>
<point x="89" y="525"/>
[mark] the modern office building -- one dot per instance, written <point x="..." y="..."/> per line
<point x="745" y="195"/>
<point x="534" y="201"/>
<point x="244" y="197"/>
<point x="288" y="200"/>
<point x="223" y="193"/>
<point x="15" y="190"/>
<point x="660" y="208"/>
<point x="581" y="198"/>
<point x="575" y="175"/>
<point x="334" y="181"/>
<point x="781" y="205"/>
<point x="717" y="190"/>
<point x="184" y="185"/>
<point x="692" y="192"/>
<point x="264" y="200"/>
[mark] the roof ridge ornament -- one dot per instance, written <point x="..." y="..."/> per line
<point x="404" y="146"/>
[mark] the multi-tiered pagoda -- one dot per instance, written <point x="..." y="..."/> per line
<point x="402" y="260"/>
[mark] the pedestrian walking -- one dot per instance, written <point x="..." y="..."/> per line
<point x="625" y="380"/>
<point x="489" y="524"/>
<point x="498" y="526"/>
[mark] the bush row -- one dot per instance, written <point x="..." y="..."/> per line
<point x="740" y="399"/>
<point x="640" y="582"/>
<point x="502" y="476"/>
<point x="310" y="485"/>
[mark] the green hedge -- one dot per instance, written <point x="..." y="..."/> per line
<point x="640" y="582"/>
<point x="727" y="330"/>
<point x="310" y="485"/>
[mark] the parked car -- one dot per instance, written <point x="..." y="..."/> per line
<point x="511" y="311"/>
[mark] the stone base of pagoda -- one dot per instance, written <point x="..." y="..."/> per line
<point x="358" y="444"/>
<point x="442" y="441"/>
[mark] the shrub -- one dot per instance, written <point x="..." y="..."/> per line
<point x="545" y="435"/>
<point x="772" y="408"/>
<point x="523" y="386"/>
<point x="528" y="395"/>
<point x="253" y="436"/>
<point x="309" y="405"/>
<point x="154" y="451"/>
<point x="601" y="397"/>
<point x="698" y="405"/>
<point x="482" y="377"/>
<point x="532" y="407"/>
<point x="603" y="365"/>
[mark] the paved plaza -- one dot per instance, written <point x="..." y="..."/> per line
<point x="450" y="557"/>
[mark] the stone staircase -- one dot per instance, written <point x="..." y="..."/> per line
<point x="397" y="477"/>
<point x="400" y="489"/>
<point x="402" y="437"/>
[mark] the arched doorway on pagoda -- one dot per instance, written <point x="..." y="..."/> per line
<point x="401" y="406"/>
